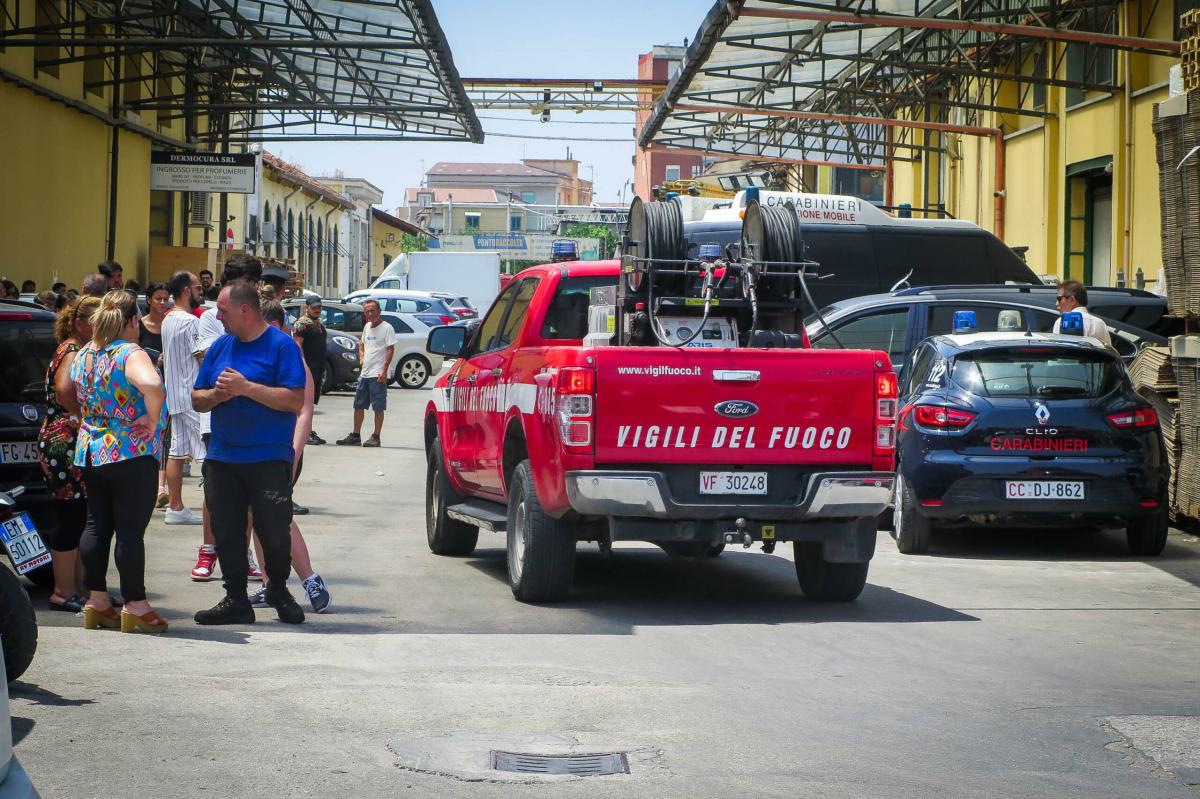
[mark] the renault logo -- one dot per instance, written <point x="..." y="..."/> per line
<point x="1041" y="413"/>
<point x="736" y="409"/>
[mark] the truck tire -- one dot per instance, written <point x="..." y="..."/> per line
<point x="912" y="530"/>
<point x="823" y="581"/>
<point x="1147" y="537"/>
<point x="446" y="536"/>
<point x="541" y="552"/>
<point x="18" y="625"/>
<point x="412" y="372"/>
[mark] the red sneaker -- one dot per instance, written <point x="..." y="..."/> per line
<point x="206" y="565"/>
<point x="253" y="573"/>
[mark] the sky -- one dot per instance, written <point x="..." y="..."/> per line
<point x="525" y="39"/>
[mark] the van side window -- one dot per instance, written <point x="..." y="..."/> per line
<point x="935" y="259"/>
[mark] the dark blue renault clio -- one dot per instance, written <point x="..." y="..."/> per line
<point x="1030" y="430"/>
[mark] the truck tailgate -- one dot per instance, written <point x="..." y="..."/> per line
<point x="711" y="406"/>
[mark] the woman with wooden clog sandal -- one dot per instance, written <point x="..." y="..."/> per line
<point x="119" y="449"/>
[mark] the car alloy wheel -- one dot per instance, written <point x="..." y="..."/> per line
<point x="413" y="372"/>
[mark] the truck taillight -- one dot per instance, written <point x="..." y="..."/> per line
<point x="576" y="406"/>
<point x="885" y="414"/>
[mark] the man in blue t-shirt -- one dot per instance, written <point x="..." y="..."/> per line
<point x="252" y="380"/>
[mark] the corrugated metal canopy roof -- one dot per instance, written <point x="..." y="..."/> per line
<point x="266" y="70"/>
<point x="812" y="80"/>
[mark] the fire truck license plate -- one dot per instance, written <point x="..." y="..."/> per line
<point x="24" y="543"/>
<point x="733" y="482"/>
<point x="1043" y="489"/>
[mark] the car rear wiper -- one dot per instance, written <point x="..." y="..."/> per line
<point x="1061" y="390"/>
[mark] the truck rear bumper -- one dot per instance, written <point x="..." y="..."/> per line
<point x="647" y="494"/>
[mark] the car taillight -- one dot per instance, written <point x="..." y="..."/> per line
<point x="1134" y="417"/>
<point x="942" y="418"/>
<point x="576" y="405"/>
<point x="446" y="319"/>
<point x="885" y="414"/>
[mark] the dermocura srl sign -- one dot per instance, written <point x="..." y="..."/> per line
<point x="218" y="173"/>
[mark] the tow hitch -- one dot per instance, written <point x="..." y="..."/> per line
<point x="739" y="535"/>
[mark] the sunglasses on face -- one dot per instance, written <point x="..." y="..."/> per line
<point x="1059" y="298"/>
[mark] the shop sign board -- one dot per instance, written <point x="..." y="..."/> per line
<point x="216" y="173"/>
<point x="515" y="246"/>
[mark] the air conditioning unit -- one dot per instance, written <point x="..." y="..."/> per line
<point x="268" y="233"/>
<point x="198" y="202"/>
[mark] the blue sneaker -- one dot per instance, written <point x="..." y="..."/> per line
<point x="318" y="593"/>
<point x="259" y="598"/>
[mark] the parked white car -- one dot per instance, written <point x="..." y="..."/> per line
<point x="412" y="365"/>
<point x="430" y="309"/>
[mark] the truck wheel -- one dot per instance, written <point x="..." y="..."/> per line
<point x="541" y="553"/>
<point x="412" y="372"/>
<point x="1148" y="536"/>
<point x="823" y="581"/>
<point x="446" y="536"/>
<point x="912" y="530"/>
<point x="18" y="625"/>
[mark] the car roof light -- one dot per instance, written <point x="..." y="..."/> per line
<point x="965" y="322"/>
<point x="1072" y="323"/>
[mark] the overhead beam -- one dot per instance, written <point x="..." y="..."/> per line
<point x="1133" y="43"/>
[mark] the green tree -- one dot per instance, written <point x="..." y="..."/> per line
<point x="411" y="243"/>
<point x="608" y="236"/>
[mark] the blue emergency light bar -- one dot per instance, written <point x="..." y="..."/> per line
<point x="1072" y="323"/>
<point x="965" y="322"/>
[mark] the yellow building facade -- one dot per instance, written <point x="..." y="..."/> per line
<point x="1081" y="184"/>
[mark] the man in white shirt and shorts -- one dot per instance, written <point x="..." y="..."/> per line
<point x="375" y="351"/>
<point x="181" y="363"/>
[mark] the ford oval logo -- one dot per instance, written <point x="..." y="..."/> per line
<point x="736" y="409"/>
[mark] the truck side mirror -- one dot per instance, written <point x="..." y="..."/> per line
<point x="448" y="340"/>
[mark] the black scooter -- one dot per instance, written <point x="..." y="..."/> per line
<point x="26" y="551"/>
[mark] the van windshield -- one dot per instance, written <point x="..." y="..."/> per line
<point x="1036" y="372"/>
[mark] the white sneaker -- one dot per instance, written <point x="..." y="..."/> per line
<point x="185" y="516"/>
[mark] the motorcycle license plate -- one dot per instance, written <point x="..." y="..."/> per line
<point x="24" y="543"/>
<point x="733" y="482"/>
<point x="1043" y="489"/>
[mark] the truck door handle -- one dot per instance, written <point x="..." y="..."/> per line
<point x="471" y="379"/>
<point x="497" y="372"/>
<point x="737" y="375"/>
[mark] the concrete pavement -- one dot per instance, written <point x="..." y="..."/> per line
<point x="1000" y="666"/>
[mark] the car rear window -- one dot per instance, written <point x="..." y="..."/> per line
<point x="25" y="351"/>
<point x="1036" y="372"/>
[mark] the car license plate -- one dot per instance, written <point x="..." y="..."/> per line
<point x="733" y="482"/>
<point x="1043" y="489"/>
<point x="18" y="452"/>
<point x="24" y="543"/>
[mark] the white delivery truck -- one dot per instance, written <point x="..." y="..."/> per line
<point x="474" y="275"/>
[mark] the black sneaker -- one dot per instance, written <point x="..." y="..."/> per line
<point x="289" y="612"/>
<point x="227" y="611"/>
<point x="299" y="510"/>
<point x="315" y="440"/>
<point x="352" y="440"/>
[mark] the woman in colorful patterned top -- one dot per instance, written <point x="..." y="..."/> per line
<point x="120" y="443"/>
<point x="56" y="454"/>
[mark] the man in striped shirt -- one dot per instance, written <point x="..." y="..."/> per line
<point x="181" y="364"/>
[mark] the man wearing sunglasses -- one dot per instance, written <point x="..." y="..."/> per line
<point x="1072" y="296"/>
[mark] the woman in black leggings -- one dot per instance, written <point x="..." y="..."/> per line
<point x="120" y="445"/>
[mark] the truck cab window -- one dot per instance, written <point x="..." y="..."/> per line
<point x="516" y="315"/>
<point x="489" y="328"/>
<point x="567" y="317"/>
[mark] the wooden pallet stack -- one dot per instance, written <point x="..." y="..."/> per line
<point x="1153" y="376"/>
<point x="1185" y="355"/>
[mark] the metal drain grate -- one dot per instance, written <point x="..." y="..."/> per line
<point x="594" y="765"/>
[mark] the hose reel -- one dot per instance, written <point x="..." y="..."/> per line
<point x="654" y="238"/>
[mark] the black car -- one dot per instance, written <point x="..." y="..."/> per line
<point x="1037" y="430"/>
<point x="343" y="324"/>
<point x="27" y="345"/>
<point x="897" y="321"/>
